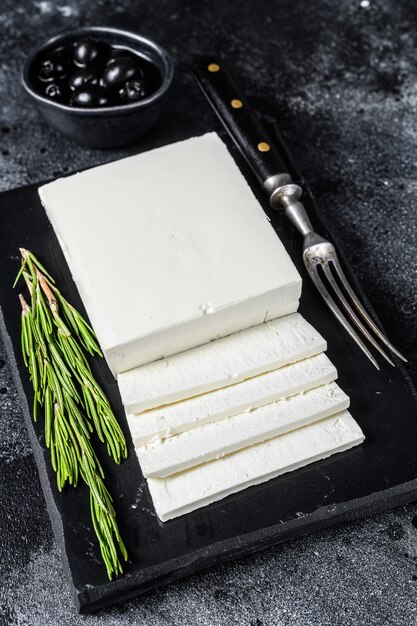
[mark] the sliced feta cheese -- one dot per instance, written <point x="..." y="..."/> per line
<point x="170" y="249"/>
<point x="220" y="363"/>
<point x="204" y="484"/>
<point x="250" y="394"/>
<point x="194" y="447"/>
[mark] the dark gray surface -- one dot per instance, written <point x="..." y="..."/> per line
<point x="342" y="78"/>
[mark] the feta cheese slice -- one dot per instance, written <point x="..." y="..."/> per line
<point x="176" y="454"/>
<point x="220" y="363"/>
<point x="170" y="249"/>
<point x="204" y="484"/>
<point x="250" y="394"/>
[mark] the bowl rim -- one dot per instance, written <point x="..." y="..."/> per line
<point x="96" y="111"/>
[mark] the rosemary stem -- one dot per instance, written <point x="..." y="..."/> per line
<point x="54" y="340"/>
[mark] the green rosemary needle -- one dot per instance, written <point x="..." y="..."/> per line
<point x="54" y="338"/>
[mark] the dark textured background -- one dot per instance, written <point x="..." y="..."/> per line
<point x="341" y="77"/>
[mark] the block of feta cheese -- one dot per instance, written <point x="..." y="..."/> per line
<point x="220" y="363"/>
<point x="207" y="483"/>
<point x="169" y="250"/>
<point x="194" y="447"/>
<point x="250" y="394"/>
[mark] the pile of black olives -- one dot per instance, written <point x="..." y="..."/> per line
<point x="91" y="73"/>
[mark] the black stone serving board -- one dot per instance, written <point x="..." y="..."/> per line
<point x="379" y="474"/>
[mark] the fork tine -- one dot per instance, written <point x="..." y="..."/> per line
<point x="312" y="269"/>
<point x="363" y="311"/>
<point x="328" y="272"/>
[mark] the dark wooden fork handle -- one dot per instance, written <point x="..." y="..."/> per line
<point x="237" y="116"/>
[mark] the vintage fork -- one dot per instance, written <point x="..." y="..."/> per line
<point x="319" y="255"/>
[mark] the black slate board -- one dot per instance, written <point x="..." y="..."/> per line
<point x="379" y="474"/>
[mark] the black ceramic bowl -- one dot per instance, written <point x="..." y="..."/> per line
<point x="110" y="126"/>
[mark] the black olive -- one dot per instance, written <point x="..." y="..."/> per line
<point x="46" y="70"/>
<point x="89" y="51"/>
<point x="54" y="91"/>
<point x="54" y="66"/>
<point x="133" y="90"/>
<point x="61" y="65"/>
<point x="82" y="78"/>
<point x="121" y="53"/>
<point x="89" y="97"/>
<point x="120" y="70"/>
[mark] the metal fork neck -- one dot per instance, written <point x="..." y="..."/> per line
<point x="284" y="194"/>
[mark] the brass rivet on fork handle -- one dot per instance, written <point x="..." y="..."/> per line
<point x="263" y="146"/>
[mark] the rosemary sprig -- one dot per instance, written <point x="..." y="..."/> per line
<point x="73" y="334"/>
<point x="54" y="336"/>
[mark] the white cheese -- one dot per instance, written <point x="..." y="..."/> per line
<point x="170" y="249"/>
<point x="250" y="394"/>
<point x="194" y="447"/>
<point x="220" y="363"/>
<point x="217" y="479"/>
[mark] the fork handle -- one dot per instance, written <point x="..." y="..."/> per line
<point x="234" y="111"/>
<point x="252" y="139"/>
